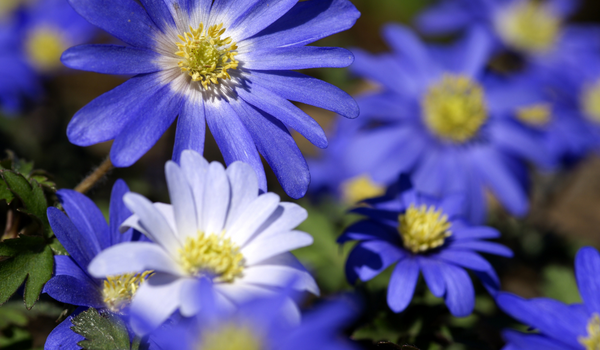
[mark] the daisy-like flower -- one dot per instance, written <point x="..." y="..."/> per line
<point x="435" y="117"/>
<point x="224" y="62"/>
<point x="217" y="226"/>
<point x="559" y="326"/>
<point x="31" y="44"/>
<point x="420" y="233"/>
<point x="84" y="233"/>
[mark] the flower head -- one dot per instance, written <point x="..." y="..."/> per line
<point x="218" y="227"/>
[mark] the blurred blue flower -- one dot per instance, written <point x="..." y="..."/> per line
<point x="32" y="39"/>
<point x="84" y="234"/>
<point x="436" y="117"/>
<point x="424" y="234"/>
<point x="228" y="64"/>
<point x="559" y="326"/>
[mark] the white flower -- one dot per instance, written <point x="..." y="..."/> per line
<point x="217" y="226"/>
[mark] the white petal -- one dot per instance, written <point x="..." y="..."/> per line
<point x="182" y="200"/>
<point x="244" y="189"/>
<point x="195" y="168"/>
<point x="285" y="219"/>
<point x="280" y="276"/>
<point x="253" y="217"/>
<point x="134" y="221"/>
<point x="190" y="300"/>
<point x="168" y="213"/>
<point x="261" y="248"/>
<point x="216" y="199"/>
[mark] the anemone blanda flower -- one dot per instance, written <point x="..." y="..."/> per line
<point x="84" y="234"/>
<point x="435" y="117"/>
<point x="259" y="324"/>
<point x="226" y="63"/>
<point x="32" y="40"/>
<point x="218" y="226"/>
<point x="559" y="326"/>
<point x="420" y="233"/>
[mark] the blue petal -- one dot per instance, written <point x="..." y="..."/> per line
<point x="296" y="58"/>
<point x="368" y="66"/>
<point x="124" y="19"/>
<point x="516" y="139"/>
<point x="481" y="232"/>
<point x="409" y="47"/>
<point x="159" y="13"/>
<point x="453" y="205"/>
<point x="233" y="139"/>
<point x="460" y="294"/>
<point x="308" y="22"/>
<point x="262" y="14"/>
<point x="302" y="88"/>
<point x="227" y="11"/>
<point x="490" y="281"/>
<point x="444" y="17"/>
<point x="484" y="247"/>
<point x="368" y="259"/>
<point x="118" y="213"/>
<point x="62" y="337"/>
<point x="111" y="59"/>
<point x="153" y="119"/>
<point x="474" y="51"/>
<point x="191" y="128"/>
<point x="74" y="242"/>
<point x="66" y="266"/>
<point x="428" y="176"/>
<point x="587" y="271"/>
<point x="520" y="341"/>
<point x="463" y="258"/>
<point x="433" y="276"/>
<point x="369" y="230"/>
<point x="279" y="149"/>
<point x="402" y="284"/>
<point x="71" y="290"/>
<point x="87" y="218"/>
<point x="106" y="116"/>
<point x="285" y="111"/>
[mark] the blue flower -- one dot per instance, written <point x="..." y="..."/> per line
<point x="559" y="326"/>
<point x="31" y="43"/>
<point x="226" y="63"/>
<point x="436" y="117"/>
<point x="421" y="234"/>
<point x="259" y="324"/>
<point x="84" y="234"/>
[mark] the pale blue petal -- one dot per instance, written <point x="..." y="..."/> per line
<point x="302" y="57"/>
<point x="402" y="284"/>
<point x="111" y="59"/>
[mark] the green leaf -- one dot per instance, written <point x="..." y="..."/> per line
<point x="29" y="260"/>
<point x="5" y="193"/>
<point x="101" y="332"/>
<point x="57" y="247"/>
<point x="31" y="195"/>
<point x="560" y="284"/>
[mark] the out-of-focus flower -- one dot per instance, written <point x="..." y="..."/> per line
<point x="559" y="326"/>
<point x="436" y="118"/>
<point x="421" y="234"/>
<point x="31" y="43"/>
<point x="84" y="234"/>
<point x="225" y="63"/>
<point x="217" y="226"/>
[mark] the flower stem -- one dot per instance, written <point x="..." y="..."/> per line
<point x="95" y="176"/>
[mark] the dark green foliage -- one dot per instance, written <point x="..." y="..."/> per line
<point x="101" y="331"/>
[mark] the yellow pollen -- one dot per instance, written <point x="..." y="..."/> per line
<point x="536" y="115"/>
<point x="590" y="101"/>
<point x="44" y="46"/>
<point x="423" y="228"/>
<point x="529" y="26"/>
<point x="592" y="341"/>
<point x="207" y="57"/>
<point x="454" y="108"/>
<point x="119" y="290"/>
<point x="212" y="254"/>
<point x="360" y="188"/>
<point x="230" y="337"/>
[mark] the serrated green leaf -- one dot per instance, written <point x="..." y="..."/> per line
<point x="101" y="332"/>
<point x="31" y="195"/>
<point x="5" y="193"/>
<point x="57" y="247"/>
<point x="29" y="260"/>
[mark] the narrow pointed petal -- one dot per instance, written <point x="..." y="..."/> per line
<point x="402" y="284"/>
<point x="191" y="128"/>
<point x="302" y="57"/>
<point x="182" y="201"/>
<point x="86" y="217"/>
<point x="111" y="59"/>
<point x="118" y="213"/>
<point x="244" y="189"/>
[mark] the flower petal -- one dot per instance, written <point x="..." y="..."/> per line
<point x="402" y="284"/>
<point x="118" y="213"/>
<point x="74" y="242"/>
<point x="368" y="259"/>
<point x="86" y="217"/>
<point x="587" y="270"/>
<point x="285" y="218"/>
<point x="484" y="247"/>
<point x="184" y="208"/>
<point x="302" y="57"/>
<point x="279" y="276"/>
<point x="244" y="189"/>
<point x="217" y="194"/>
<point x="460" y="294"/>
<point x="62" y="337"/>
<point x="262" y="14"/>
<point x="159" y="13"/>
<point x="433" y="276"/>
<point x="520" y="341"/>
<point x="195" y="169"/>
<point x="191" y="128"/>
<point x="111" y="59"/>
<point x="252" y="218"/>
<point x="74" y="291"/>
<point x="261" y="248"/>
<point x="464" y="258"/>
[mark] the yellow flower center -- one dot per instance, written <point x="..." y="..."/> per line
<point x="536" y="115"/>
<point x="591" y="102"/>
<point x="7" y="6"/>
<point x="592" y="341"/>
<point x="454" y="108"/>
<point x="529" y="26"/>
<point x="230" y="337"/>
<point x="119" y="290"/>
<point x="423" y="228"/>
<point x="44" y="46"/>
<point x="212" y="254"/>
<point x="360" y="188"/>
<point x="207" y="57"/>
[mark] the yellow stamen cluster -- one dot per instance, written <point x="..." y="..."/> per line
<point x="454" y="108"/>
<point x="119" y="290"/>
<point x="212" y="254"/>
<point x="529" y="26"/>
<point x="592" y="341"/>
<point x="536" y="115"/>
<point x="230" y="337"/>
<point x="423" y="228"/>
<point x="590" y="101"/>
<point x="207" y="57"/>
<point x="360" y="188"/>
<point x="44" y="46"/>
